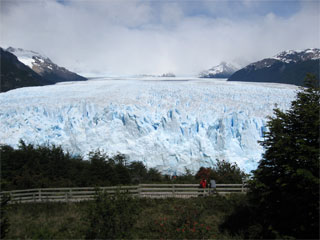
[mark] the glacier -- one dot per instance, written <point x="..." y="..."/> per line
<point x="167" y="123"/>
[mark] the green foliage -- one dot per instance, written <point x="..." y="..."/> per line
<point x="204" y="173"/>
<point x="46" y="221"/>
<point x="249" y="227"/>
<point x="44" y="166"/>
<point x="111" y="217"/>
<point x="185" y="226"/>
<point x="49" y="166"/>
<point x="187" y="177"/>
<point x="288" y="175"/>
<point x="226" y="172"/>
<point x="284" y="191"/>
<point x="4" y="220"/>
<point x="157" y="218"/>
<point x="138" y="172"/>
<point x="195" y="218"/>
<point x="153" y="175"/>
<point x="222" y="172"/>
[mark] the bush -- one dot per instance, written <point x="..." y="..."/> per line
<point x="222" y="172"/>
<point x="4" y="227"/>
<point x="111" y="216"/>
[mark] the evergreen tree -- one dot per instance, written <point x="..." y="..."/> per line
<point x="285" y="186"/>
<point x="226" y="172"/>
<point x="138" y="171"/>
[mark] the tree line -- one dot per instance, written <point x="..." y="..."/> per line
<point x="43" y="166"/>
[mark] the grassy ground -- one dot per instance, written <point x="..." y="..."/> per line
<point x="196" y="218"/>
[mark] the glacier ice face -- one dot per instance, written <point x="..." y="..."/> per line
<point x="170" y="125"/>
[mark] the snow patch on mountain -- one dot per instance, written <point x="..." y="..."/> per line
<point x="27" y="57"/>
<point x="170" y="125"/>
<point x="301" y="55"/>
<point x="223" y="70"/>
<point x="44" y="66"/>
<point x="289" y="56"/>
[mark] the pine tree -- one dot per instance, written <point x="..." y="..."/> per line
<point x="285" y="186"/>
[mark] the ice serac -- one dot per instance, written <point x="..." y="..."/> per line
<point x="170" y="125"/>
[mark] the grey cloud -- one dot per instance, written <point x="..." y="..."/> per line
<point x="132" y="37"/>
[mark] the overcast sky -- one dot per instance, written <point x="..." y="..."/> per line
<point x="124" y="37"/>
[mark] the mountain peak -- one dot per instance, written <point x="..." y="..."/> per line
<point x="288" y="67"/>
<point x="30" y="58"/>
<point x="223" y="70"/>
<point x="15" y="74"/>
<point x="44" y="66"/>
<point x="299" y="55"/>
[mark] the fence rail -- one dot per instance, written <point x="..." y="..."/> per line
<point x="142" y="190"/>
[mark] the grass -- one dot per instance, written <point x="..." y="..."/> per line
<point x="195" y="218"/>
<point x="46" y="221"/>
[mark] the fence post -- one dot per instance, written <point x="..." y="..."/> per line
<point x="34" y="197"/>
<point x="139" y="190"/>
<point x="11" y="198"/>
<point x="173" y="190"/>
<point x="66" y="197"/>
<point x="70" y="193"/>
<point x="242" y="187"/>
<point x="39" y="194"/>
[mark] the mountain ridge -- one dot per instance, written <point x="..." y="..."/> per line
<point x="223" y="70"/>
<point x="44" y="66"/>
<point x="15" y="74"/>
<point x="288" y="67"/>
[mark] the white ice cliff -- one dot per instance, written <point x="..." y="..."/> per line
<point x="170" y="125"/>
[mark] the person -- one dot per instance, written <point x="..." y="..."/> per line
<point x="203" y="183"/>
<point x="213" y="186"/>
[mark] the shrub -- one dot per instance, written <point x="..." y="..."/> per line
<point x="111" y="216"/>
<point x="4" y="218"/>
<point x="222" y="172"/>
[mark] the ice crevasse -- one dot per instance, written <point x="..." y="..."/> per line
<point x="169" y="125"/>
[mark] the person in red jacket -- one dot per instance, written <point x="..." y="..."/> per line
<point x="203" y="183"/>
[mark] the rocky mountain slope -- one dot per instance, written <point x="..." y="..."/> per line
<point x="288" y="67"/>
<point x="15" y="74"/>
<point x="223" y="70"/>
<point x="44" y="66"/>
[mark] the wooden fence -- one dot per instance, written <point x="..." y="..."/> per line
<point x="142" y="190"/>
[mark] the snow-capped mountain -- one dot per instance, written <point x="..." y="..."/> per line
<point x="14" y="74"/>
<point x="44" y="66"/>
<point x="286" y="67"/>
<point x="223" y="70"/>
<point x="298" y="56"/>
<point x="170" y="125"/>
